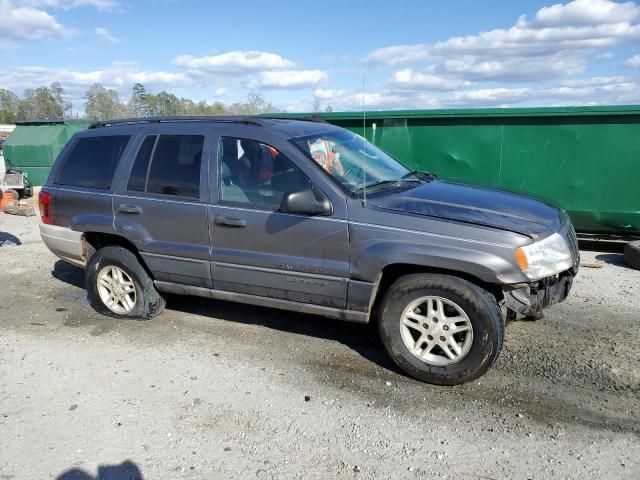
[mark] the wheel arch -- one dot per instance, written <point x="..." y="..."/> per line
<point x="393" y="271"/>
<point x="93" y="241"/>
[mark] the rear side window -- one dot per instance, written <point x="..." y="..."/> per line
<point x="92" y="161"/>
<point x="174" y="169"/>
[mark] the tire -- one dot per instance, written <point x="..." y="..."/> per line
<point x="144" y="300"/>
<point x="476" y="308"/>
<point x="632" y="254"/>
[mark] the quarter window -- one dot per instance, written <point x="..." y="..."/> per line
<point x="174" y="169"/>
<point x="92" y="161"/>
<point x="254" y="173"/>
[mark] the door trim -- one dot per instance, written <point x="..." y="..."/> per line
<point x="283" y="271"/>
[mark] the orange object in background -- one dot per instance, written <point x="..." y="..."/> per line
<point x="8" y="198"/>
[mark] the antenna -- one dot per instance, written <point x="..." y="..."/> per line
<point x="364" y="148"/>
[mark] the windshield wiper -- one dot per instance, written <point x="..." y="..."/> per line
<point x="421" y="175"/>
<point x="381" y="183"/>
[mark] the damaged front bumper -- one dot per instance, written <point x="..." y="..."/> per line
<point x="530" y="299"/>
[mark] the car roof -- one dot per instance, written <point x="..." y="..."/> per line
<point x="286" y="127"/>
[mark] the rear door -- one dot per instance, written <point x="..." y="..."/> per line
<point x="259" y="250"/>
<point x="161" y="203"/>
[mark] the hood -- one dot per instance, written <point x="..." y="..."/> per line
<point x="474" y="204"/>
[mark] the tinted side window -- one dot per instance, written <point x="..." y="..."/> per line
<point x="256" y="174"/>
<point x="175" y="167"/>
<point x="138" y="176"/>
<point x="92" y="161"/>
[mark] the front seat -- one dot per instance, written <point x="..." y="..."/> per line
<point x="229" y="191"/>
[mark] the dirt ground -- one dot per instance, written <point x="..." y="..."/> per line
<point x="219" y="390"/>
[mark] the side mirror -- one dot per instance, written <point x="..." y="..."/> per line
<point x="310" y="201"/>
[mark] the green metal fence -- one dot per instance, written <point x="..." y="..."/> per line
<point x="583" y="159"/>
<point x="34" y="146"/>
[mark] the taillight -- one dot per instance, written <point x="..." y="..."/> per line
<point x="44" y="203"/>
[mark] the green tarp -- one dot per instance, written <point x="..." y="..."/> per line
<point x="33" y="147"/>
<point x="583" y="159"/>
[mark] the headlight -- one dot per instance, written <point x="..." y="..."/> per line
<point x="545" y="257"/>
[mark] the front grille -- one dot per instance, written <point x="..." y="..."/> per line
<point x="572" y="242"/>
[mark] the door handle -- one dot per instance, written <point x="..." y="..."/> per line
<point x="230" y="221"/>
<point x="129" y="209"/>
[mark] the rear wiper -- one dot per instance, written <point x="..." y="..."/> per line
<point x="381" y="183"/>
<point x="421" y="174"/>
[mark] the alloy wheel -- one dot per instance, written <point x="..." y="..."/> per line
<point x="436" y="330"/>
<point x="116" y="289"/>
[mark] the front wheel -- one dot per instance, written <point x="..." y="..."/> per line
<point x="441" y="329"/>
<point x="119" y="286"/>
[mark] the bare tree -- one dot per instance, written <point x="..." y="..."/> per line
<point x="44" y="104"/>
<point x="103" y="104"/>
<point x="9" y="103"/>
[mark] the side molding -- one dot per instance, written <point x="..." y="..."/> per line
<point x="335" y="313"/>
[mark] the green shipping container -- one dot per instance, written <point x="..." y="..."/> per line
<point x="583" y="159"/>
<point x="34" y="146"/>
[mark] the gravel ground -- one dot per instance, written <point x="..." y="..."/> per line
<point x="219" y="390"/>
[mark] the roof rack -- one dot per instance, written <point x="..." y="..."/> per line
<point x="307" y="118"/>
<point x="258" y="120"/>
<point x="146" y="120"/>
<point x="52" y="122"/>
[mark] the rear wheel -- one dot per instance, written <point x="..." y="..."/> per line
<point x="441" y="329"/>
<point x="118" y="286"/>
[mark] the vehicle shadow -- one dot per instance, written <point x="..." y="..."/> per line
<point x="127" y="470"/>
<point x="7" y="239"/>
<point x="68" y="273"/>
<point x="612" y="259"/>
<point x="363" y="339"/>
<point x="601" y="245"/>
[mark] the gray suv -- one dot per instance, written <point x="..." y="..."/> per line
<point x="305" y="216"/>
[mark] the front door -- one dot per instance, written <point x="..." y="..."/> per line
<point x="258" y="250"/>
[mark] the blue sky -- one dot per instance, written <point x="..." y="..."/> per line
<point x="414" y="54"/>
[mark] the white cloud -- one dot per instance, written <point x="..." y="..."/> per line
<point x="602" y="26"/>
<point x="633" y="61"/>
<point x="556" y="42"/>
<point x="585" y="91"/>
<point x="397" y="54"/>
<point x="589" y="91"/>
<point x="233" y="62"/>
<point x="323" y="94"/>
<point x="596" y="81"/>
<point x="412" y="80"/>
<point x="390" y="100"/>
<point x="513" y="69"/>
<point x="104" y="34"/>
<point x="27" y="23"/>
<point x="254" y="69"/>
<point x="291" y="79"/>
<point x="491" y="96"/>
<point x="585" y="12"/>
<point x="349" y="101"/>
<point x="119" y="76"/>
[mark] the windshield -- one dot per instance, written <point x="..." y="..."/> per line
<point x="351" y="160"/>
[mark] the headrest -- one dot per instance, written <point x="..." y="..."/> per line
<point x="280" y="163"/>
